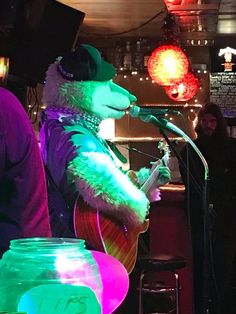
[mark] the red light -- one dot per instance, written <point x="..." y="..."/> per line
<point x="185" y="89"/>
<point x="167" y="65"/>
<point x="173" y="2"/>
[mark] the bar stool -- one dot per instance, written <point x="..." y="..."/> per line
<point x="160" y="263"/>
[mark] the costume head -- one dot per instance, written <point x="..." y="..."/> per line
<point x="82" y="80"/>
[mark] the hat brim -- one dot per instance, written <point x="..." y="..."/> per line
<point x="105" y="70"/>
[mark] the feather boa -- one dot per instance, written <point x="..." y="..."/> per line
<point x="105" y="187"/>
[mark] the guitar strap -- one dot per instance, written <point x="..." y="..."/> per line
<point x="116" y="151"/>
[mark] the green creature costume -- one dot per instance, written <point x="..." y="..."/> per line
<point x="79" y="94"/>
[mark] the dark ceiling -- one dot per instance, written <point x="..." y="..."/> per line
<point x="39" y="42"/>
<point x="197" y="20"/>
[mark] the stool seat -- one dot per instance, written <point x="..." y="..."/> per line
<point x="161" y="263"/>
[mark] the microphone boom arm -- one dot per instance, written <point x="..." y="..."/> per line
<point x="207" y="258"/>
<point x="164" y="124"/>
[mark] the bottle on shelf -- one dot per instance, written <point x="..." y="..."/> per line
<point x="127" y="61"/>
<point x="138" y="57"/>
<point x="147" y="54"/>
<point x="118" y="57"/>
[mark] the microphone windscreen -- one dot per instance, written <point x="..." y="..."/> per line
<point x="134" y="111"/>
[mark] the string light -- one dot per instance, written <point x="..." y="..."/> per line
<point x="146" y="139"/>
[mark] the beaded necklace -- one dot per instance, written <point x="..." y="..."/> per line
<point x="74" y="116"/>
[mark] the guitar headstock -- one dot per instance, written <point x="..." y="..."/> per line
<point x="165" y="149"/>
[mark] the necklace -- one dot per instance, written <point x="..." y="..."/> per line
<point x="72" y="115"/>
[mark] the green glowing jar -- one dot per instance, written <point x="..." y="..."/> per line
<point x="49" y="275"/>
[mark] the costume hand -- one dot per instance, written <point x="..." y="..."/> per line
<point x="164" y="176"/>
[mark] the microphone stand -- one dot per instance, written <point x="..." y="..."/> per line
<point x="163" y="124"/>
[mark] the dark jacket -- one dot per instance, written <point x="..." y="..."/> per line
<point x="221" y="187"/>
<point x="23" y="195"/>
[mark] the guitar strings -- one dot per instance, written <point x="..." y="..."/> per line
<point x="138" y="151"/>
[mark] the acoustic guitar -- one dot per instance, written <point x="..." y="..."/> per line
<point x="104" y="233"/>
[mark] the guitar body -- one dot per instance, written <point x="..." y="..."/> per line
<point x="107" y="235"/>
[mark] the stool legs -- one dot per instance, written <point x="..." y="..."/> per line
<point x="177" y="288"/>
<point x="177" y="296"/>
<point x="140" y="302"/>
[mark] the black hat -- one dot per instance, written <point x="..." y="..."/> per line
<point x="85" y="64"/>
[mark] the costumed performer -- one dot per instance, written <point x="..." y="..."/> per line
<point x="79" y="94"/>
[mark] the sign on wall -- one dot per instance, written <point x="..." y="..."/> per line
<point x="223" y="92"/>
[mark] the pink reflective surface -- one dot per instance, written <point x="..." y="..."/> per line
<point x="115" y="281"/>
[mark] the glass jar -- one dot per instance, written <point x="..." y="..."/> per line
<point x="55" y="274"/>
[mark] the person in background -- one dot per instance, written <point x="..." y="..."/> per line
<point x="218" y="246"/>
<point x="23" y="195"/>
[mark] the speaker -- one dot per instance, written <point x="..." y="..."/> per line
<point x="48" y="30"/>
<point x="8" y="12"/>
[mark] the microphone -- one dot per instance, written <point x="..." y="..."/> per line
<point x="136" y="111"/>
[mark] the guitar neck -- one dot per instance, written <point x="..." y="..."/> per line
<point x="151" y="180"/>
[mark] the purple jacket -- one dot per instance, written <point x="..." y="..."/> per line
<point x="23" y="194"/>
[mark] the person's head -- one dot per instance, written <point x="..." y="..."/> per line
<point x="211" y="122"/>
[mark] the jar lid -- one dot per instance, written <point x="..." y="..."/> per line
<point x="12" y="312"/>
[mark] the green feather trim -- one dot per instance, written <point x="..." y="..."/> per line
<point x="101" y="182"/>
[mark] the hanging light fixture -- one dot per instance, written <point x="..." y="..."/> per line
<point x="185" y="89"/>
<point x="168" y="64"/>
